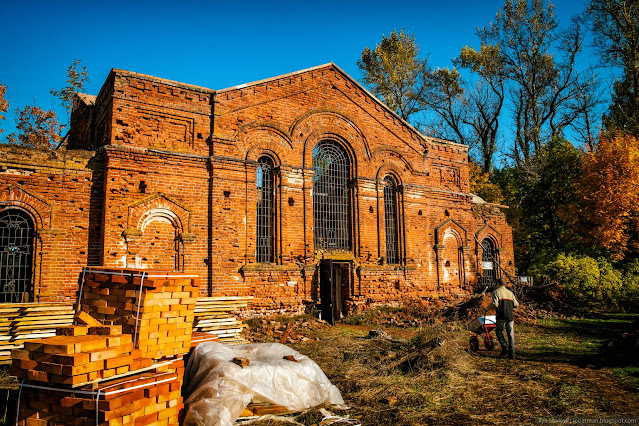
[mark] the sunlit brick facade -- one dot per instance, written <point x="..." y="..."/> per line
<point x="165" y="175"/>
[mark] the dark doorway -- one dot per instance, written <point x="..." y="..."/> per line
<point x="16" y="256"/>
<point x="334" y="289"/>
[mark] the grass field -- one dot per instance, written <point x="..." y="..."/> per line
<point x="564" y="368"/>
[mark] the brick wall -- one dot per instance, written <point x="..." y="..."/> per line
<point x="62" y="194"/>
<point x="172" y="185"/>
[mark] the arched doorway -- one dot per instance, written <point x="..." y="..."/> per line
<point x="16" y="256"/>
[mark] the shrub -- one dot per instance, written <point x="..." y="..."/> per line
<point x="584" y="281"/>
<point x="630" y="294"/>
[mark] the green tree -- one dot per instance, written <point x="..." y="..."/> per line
<point x="537" y="192"/>
<point x="395" y="73"/>
<point x="76" y="80"/>
<point x="615" y="25"/>
<point x="37" y="128"/>
<point x="538" y="60"/>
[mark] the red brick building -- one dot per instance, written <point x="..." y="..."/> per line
<point x="299" y="190"/>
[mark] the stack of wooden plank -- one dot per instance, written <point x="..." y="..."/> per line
<point x="27" y="321"/>
<point x="20" y="322"/>
<point x="214" y="315"/>
<point x="157" y="308"/>
<point x="91" y="354"/>
<point x="149" y="398"/>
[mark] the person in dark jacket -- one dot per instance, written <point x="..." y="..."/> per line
<point x="504" y="302"/>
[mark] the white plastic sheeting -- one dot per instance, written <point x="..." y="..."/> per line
<point x="218" y="390"/>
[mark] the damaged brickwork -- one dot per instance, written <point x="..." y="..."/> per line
<point x="164" y="175"/>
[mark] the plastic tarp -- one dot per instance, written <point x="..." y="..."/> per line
<point x="217" y="390"/>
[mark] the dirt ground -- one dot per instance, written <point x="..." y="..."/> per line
<point x="566" y="370"/>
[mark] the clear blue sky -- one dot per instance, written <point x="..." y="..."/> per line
<point x="217" y="44"/>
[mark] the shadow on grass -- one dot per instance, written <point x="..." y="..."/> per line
<point x="584" y="342"/>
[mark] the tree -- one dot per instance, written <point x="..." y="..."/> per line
<point x="482" y="184"/>
<point x="395" y="73"/>
<point x="606" y="211"/>
<point x="37" y="128"/>
<point x="538" y="61"/>
<point x="537" y="191"/>
<point x="76" y="81"/>
<point x="4" y="104"/>
<point x="615" y="24"/>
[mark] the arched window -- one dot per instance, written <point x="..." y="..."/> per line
<point x="16" y="255"/>
<point x="331" y="197"/>
<point x="265" y="229"/>
<point x="489" y="262"/>
<point x="390" y="220"/>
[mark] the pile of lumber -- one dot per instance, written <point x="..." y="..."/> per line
<point x="133" y="355"/>
<point x="214" y="315"/>
<point x="20" y="322"/>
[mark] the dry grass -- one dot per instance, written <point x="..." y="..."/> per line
<point x="437" y="381"/>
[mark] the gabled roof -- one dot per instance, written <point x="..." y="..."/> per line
<point x="351" y="79"/>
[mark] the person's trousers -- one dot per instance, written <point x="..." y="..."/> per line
<point x="510" y="332"/>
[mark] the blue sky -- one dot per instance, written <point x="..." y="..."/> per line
<point x="217" y="44"/>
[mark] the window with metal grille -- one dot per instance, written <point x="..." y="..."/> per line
<point x="16" y="255"/>
<point x="390" y="220"/>
<point x="264" y="251"/>
<point x="489" y="262"/>
<point x="331" y="197"/>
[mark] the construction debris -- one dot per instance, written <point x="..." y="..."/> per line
<point x="294" y="331"/>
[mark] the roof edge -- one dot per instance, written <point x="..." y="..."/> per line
<point x="154" y="79"/>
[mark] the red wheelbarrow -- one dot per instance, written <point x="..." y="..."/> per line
<point x="482" y="326"/>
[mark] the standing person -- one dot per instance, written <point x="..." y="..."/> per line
<point x="504" y="302"/>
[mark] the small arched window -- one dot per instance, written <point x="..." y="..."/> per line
<point x="390" y="220"/>
<point x="265" y="229"/>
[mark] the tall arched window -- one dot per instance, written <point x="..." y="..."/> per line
<point x="390" y="220"/>
<point x="331" y="197"/>
<point x="16" y="255"/>
<point x="265" y="229"/>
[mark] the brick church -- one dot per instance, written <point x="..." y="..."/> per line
<point x="303" y="191"/>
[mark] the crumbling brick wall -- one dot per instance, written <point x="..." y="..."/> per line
<point x="175" y="172"/>
<point x="62" y="194"/>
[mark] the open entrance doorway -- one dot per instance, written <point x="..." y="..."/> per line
<point x="334" y="287"/>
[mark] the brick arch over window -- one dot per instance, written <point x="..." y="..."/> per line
<point x="164" y="206"/>
<point x="317" y="125"/>
<point x="30" y="201"/>
<point x="254" y="140"/>
<point x="488" y="231"/>
<point x="158" y="229"/>
<point x="451" y="249"/>
<point x="391" y="161"/>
